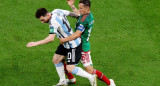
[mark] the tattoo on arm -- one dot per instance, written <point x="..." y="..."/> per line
<point x="73" y="8"/>
<point x="73" y="14"/>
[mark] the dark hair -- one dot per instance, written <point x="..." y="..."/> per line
<point x="85" y="2"/>
<point x="41" y="12"/>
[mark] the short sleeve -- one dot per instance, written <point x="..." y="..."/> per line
<point x="81" y="27"/>
<point x="52" y="30"/>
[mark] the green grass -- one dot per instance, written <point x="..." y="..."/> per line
<point x="125" y="42"/>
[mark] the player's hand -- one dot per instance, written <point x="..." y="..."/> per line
<point x="70" y="2"/>
<point x="61" y="40"/>
<point x="31" y="44"/>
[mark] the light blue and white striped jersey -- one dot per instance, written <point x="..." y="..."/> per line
<point x="59" y="25"/>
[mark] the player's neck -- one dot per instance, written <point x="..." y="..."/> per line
<point x="86" y="12"/>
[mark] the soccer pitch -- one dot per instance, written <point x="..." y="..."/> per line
<point x="125" y="42"/>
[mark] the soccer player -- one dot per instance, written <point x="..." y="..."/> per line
<point x="83" y="28"/>
<point x="60" y="26"/>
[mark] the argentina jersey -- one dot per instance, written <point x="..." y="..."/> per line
<point x="60" y="26"/>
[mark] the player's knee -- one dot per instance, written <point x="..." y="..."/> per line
<point x="89" y="69"/>
<point x="70" y="68"/>
<point x="54" y="61"/>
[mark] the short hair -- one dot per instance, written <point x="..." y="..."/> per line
<point x="41" y="12"/>
<point x="85" y="2"/>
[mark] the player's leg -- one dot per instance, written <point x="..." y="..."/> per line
<point x="73" y="58"/>
<point x="80" y="72"/>
<point x="87" y="63"/>
<point x="57" y="60"/>
<point x="71" y="79"/>
<point x="63" y="51"/>
<point x="60" y="68"/>
<point x="101" y="76"/>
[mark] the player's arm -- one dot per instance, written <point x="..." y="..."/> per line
<point x="69" y="13"/>
<point x="74" y="14"/>
<point x="71" y="37"/>
<point x="71" y="4"/>
<point x="48" y="39"/>
<point x="75" y="35"/>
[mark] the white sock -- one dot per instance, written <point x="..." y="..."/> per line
<point x="80" y="72"/>
<point x="60" y="71"/>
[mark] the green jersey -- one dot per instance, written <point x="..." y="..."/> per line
<point x="85" y="24"/>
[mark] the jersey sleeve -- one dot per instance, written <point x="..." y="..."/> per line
<point x="83" y="23"/>
<point x="53" y="28"/>
<point x="81" y="27"/>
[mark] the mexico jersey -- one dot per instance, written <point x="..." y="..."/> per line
<point x="60" y="26"/>
<point x="85" y="24"/>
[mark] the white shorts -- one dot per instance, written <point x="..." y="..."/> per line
<point x="86" y="59"/>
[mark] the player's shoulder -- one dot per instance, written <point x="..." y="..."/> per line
<point x="56" y="13"/>
<point x="86" y="17"/>
<point x="53" y="20"/>
<point x="59" y="11"/>
<point x="55" y="10"/>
